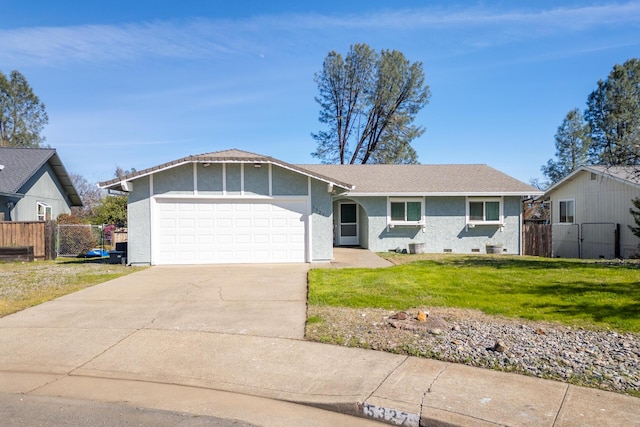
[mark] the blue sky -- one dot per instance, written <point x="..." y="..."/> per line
<point x="139" y="83"/>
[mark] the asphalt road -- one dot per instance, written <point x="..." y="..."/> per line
<point x="37" y="411"/>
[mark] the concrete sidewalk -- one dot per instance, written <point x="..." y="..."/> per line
<point x="202" y="340"/>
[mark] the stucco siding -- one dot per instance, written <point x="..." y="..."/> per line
<point x="139" y="223"/>
<point x="444" y="229"/>
<point x="209" y="179"/>
<point x="234" y="179"/>
<point x="321" y="222"/>
<point x="177" y="180"/>
<point x="363" y="220"/>
<point x="288" y="183"/>
<point x="256" y="180"/>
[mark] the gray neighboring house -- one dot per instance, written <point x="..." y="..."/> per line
<point x="34" y="185"/>
<point x="590" y="213"/>
<point x="238" y="207"/>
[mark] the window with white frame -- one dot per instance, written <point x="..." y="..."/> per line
<point x="44" y="212"/>
<point x="567" y="211"/>
<point x="484" y="210"/>
<point x="405" y="211"/>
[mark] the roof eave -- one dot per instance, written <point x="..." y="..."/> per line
<point x="546" y="193"/>
<point x="447" y="194"/>
<point x="65" y="180"/>
<point x="116" y="183"/>
<point x="16" y="195"/>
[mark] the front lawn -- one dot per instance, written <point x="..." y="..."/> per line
<point x="574" y="292"/>
<point x="25" y="284"/>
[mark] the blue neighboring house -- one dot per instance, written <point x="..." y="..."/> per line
<point x="34" y="185"/>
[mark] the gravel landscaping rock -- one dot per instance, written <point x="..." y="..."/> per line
<point x="604" y="359"/>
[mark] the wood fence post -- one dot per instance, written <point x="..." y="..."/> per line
<point x="50" y="240"/>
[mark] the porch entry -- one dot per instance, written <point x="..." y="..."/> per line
<point x="348" y="225"/>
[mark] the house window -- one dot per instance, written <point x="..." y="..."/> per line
<point x="44" y="212"/>
<point x="484" y="211"/>
<point x="406" y="211"/>
<point x="567" y="211"/>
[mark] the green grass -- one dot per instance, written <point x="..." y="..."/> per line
<point x="25" y="284"/>
<point x="575" y="292"/>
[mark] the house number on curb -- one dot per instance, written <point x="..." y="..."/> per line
<point x="399" y="418"/>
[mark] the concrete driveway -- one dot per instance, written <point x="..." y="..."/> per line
<point x="210" y="340"/>
<point x="259" y="300"/>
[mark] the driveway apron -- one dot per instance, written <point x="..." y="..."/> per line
<point x="63" y="334"/>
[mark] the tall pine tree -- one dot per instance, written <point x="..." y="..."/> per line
<point x="572" y="146"/>
<point x="613" y="114"/>
<point x="368" y="101"/>
<point x="22" y="115"/>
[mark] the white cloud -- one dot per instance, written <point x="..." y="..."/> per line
<point x="206" y="38"/>
<point x="559" y="18"/>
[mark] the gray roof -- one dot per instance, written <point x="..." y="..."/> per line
<point x="426" y="179"/>
<point x="373" y="179"/>
<point x="20" y="164"/>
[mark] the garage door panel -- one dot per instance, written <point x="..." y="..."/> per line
<point x="243" y="222"/>
<point x="186" y="223"/>
<point x="260" y="238"/>
<point x="280" y="255"/>
<point x="166" y="240"/>
<point x="206" y="223"/>
<point x="186" y="239"/>
<point x="223" y="207"/>
<point x="224" y="239"/>
<point x="222" y="223"/>
<point x="297" y="239"/>
<point x="279" y="222"/>
<point x="230" y="231"/>
<point x="261" y="222"/>
<point x="243" y="239"/>
<point x="279" y="238"/>
<point x="206" y="239"/>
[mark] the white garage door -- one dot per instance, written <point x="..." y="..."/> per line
<point x="206" y="232"/>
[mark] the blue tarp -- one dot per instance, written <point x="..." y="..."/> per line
<point x="97" y="253"/>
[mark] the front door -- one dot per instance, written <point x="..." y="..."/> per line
<point x="348" y="230"/>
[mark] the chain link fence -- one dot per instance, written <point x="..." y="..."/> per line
<point x="77" y="239"/>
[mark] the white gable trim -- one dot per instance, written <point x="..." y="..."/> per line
<point x="590" y="170"/>
<point x="447" y="194"/>
<point x="155" y="170"/>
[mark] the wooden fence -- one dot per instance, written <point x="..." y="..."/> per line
<point x="118" y="236"/>
<point x="39" y="234"/>
<point x="537" y="239"/>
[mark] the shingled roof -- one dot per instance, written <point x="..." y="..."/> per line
<point x="20" y="164"/>
<point x="467" y="179"/>
<point x="373" y="179"/>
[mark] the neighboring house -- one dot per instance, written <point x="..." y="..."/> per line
<point x="238" y="207"/>
<point x="34" y="185"/>
<point x="590" y="213"/>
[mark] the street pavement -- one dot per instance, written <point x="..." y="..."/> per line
<point x="226" y="342"/>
